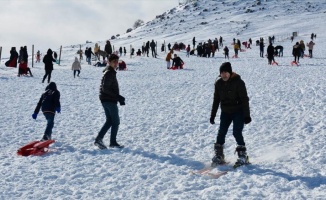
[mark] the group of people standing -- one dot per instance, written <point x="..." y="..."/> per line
<point x="21" y="59"/>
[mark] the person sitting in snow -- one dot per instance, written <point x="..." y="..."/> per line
<point x="99" y="64"/>
<point x="49" y="103"/>
<point x="177" y="62"/>
<point x="23" y="69"/>
<point x="138" y="53"/>
<point x="122" y="65"/>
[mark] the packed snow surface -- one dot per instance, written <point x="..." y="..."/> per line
<point x="165" y="123"/>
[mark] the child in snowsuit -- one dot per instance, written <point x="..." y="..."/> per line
<point x="49" y="103"/>
<point x="76" y="67"/>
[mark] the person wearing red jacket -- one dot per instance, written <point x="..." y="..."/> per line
<point x="23" y="69"/>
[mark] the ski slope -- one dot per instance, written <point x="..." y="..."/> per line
<point x="165" y="123"/>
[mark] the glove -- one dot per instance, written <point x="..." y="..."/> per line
<point x="247" y="120"/>
<point x="212" y="120"/>
<point x="34" y="116"/>
<point x="121" y="100"/>
<point x="58" y="109"/>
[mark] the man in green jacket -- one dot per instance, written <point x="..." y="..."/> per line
<point x="231" y="94"/>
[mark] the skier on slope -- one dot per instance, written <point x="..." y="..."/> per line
<point x="231" y="94"/>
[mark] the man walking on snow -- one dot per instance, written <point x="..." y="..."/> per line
<point x="231" y="94"/>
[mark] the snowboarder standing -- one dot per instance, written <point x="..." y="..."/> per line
<point x="50" y="103"/>
<point x="110" y="96"/>
<point x="231" y="94"/>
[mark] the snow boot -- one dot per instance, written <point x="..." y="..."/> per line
<point x="45" y="137"/>
<point x="243" y="158"/>
<point x="218" y="159"/>
<point x="99" y="143"/>
<point x="115" y="145"/>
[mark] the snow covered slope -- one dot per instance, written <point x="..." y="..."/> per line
<point x="165" y="123"/>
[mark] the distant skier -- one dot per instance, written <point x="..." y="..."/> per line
<point x="231" y="94"/>
<point x="221" y="41"/>
<point x="48" y="65"/>
<point x="110" y="96"/>
<point x="169" y="47"/>
<point x="49" y="103"/>
<point x="124" y="51"/>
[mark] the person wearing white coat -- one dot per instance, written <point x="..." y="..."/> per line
<point x="76" y="67"/>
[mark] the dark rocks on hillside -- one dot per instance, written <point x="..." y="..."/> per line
<point x="249" y="11"/>
<point x="113" y="37"/>
<point x="205" y="10"/>
<point x="129" y="30"/>
<point x="182" y="20"/>
<point x="203" y="23"/>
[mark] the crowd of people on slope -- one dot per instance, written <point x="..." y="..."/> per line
<point x="231" y="109"/>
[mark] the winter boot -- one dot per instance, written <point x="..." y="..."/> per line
<point x="243" y="158"/>
<point x="99" y="143"/>
<point x="45" y="137"/>
<point x="218" y="159"/>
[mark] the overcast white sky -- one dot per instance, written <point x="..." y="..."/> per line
<point x="51" y="23"/>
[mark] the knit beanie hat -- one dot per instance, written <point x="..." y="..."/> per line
<point x="226" y="67"/>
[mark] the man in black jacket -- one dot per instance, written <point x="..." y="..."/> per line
<point x="177" y="62"/>
<point x="231" y="94"/>
<point x="110" y="96"/>
<point x="48" y="62"/>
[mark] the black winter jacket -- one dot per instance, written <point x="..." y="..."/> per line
<point x="50" y="100"/>
<point x="48" y="60"/>
<point x="109" y="89"/>
<point x="232" y="95"/>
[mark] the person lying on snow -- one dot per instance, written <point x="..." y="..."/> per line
<point x="177" y="62"/>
